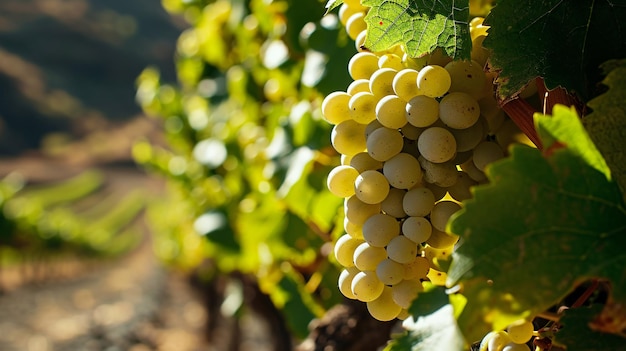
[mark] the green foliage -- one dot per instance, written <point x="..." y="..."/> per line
<point x="544" y="221"/>
<point x="420" y="26"/>
<point x="561" y="41"/>
<point x="578" y="336"/>
<point x="606" y="124"/>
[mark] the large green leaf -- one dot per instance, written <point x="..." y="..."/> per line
<point x="607" y="123"/>
<point x="542" y="225"/>
<point x="563" y="41"/>
<point x="420" y="26"/>
<point x="577" y="336"/>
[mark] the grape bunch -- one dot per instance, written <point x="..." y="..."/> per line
<point x="514" y="338"/>
<point x="414" y="134"/>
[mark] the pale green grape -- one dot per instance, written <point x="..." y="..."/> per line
<point x="433" y="81"/>
<point x="357" y="211"/>
<point x="422" y="111"/>
<point x="411" y="132"/>
<point x="467" y="76"/>
<point x="344" y="249"/>
<point x="509" y="133"/>
<point x="404" y="314"/>
<point x="459" y="110"/>
<point x="392" y="61"/>
<point x="366" y="286"/>
<point x="415" y="63"/>
<point x="392" y="204"/>
<point x="433" y="255"/>
<point x="364" y="162"/>
<point x="335" y="107"/>
<point x="441" y="213"/>
<point x="468" y="138"/>
<point x="348" y="137"/>
<point x="355" y="25"/>
<point x="418" y="202"/>
<point x="520" y="331"/>
<point x="486" y="153"/>
<point x="404" y="83"/>
<point x="516" y="347"/>
<point x="384" y="143"/>
<point x="371" y="187"/>
<point x="362" y="107"/>
<point x="498" y="340"/>
<point x="438" y="191"/>
<point x="367" y="257"/>
<point x="381" y="82"/>
<point x="345" y="281"/>
<point x="359" y="42"/>
<point x="441" y="240"/>
<point x="492" y="113"/>
<point x="441" y="174"/>
<point x="346" y="11"/>
<point x="418" y="229"/>
<point x="353" y="229"/>
<point x="357" y="86"/>
<point x="436" y="144"/>
<point x="362" y="65"/>
<point x="345" y="160"/>
<point x="416" y="269"/>
<point x="380" y="229"/>
<point x="384" y="308"/>
<point x="371" y="127"/>
<point x="461" y="190"/>
<point x="402" y="171"/>
<point x="389" y="271"/>
<point x="341" y="179"/>
<point x="404" y="292"/>
<point x="401" y="249"/>
<point x="390" y="112"/>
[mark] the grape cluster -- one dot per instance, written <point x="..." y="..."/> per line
<point x="414" y="135"/>
<point x="514" y="338"/>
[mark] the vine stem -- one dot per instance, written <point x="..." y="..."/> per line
<point x="521" y="112"/>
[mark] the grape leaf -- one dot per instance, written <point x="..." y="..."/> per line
<point x="606" y="125"/>
<point x="542" y="222"/>
<point x="333" y="4"/>
<point x="436" y="331"/>
<point x="562" y="41"/>
<point x="577" y="336"/>
<point x="420" y="26"/>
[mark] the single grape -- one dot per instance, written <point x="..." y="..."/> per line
<point x="358" y="86"/>
<point x="335" y="107"/>
<point x="422" y="111"/>
<point x="418" y="229"/>
<point x="371" y="187"/>
<point x="520" y="331"/>
<point x="402" y="171"/>
<point x="355" y="25"/>
<point x="346" y="11"/>
<point x="380" y="229"/>
<point x="384" y="143"/>
<point x="459" y="110"/>
<point x="371" y="127"/>
<point x="461" y="190"/>
<point x="468" y="138"/>
<point x="412" y="133"/>
<point x="389" y="271"/>
<point x="341" y="179"/>
<point x="384" y="308"/>
<point x="362" y="65"/>
<point x="433" y="81"/>
<point x="404" y="84"/>
<point x="441" y="213"/>
<point x="362" y="107"/>
<point x="392" y="61"/>
<point x="441" y="174"/>
<point x="381" y="82"/>
<point x="367" y="257"/>
<point x="353" y="229"/>
<point x="357" y="211"/>
<point x="418" y="202"/>
<point x="416" y="269"/>
<point x="404" y="292"/>
<point x="472" y="171"/>
<point x="486" y="153"/>
<point x="515" y="347"/>
<point x="364" y="162"/>
<point x="467" y="77"/>
<point x="441" y="240"/>
<point x="436" y="144"/>
<point x="392" y="204"/>
<point x="344" y="249"/>
<point x="498" y="340"/>
<point x="390" y="112"/>
<point x="366" y="286"/>
<point x="345" y="281"/>
<point x="401" y="249"/>
<point x="348" y="137"/>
